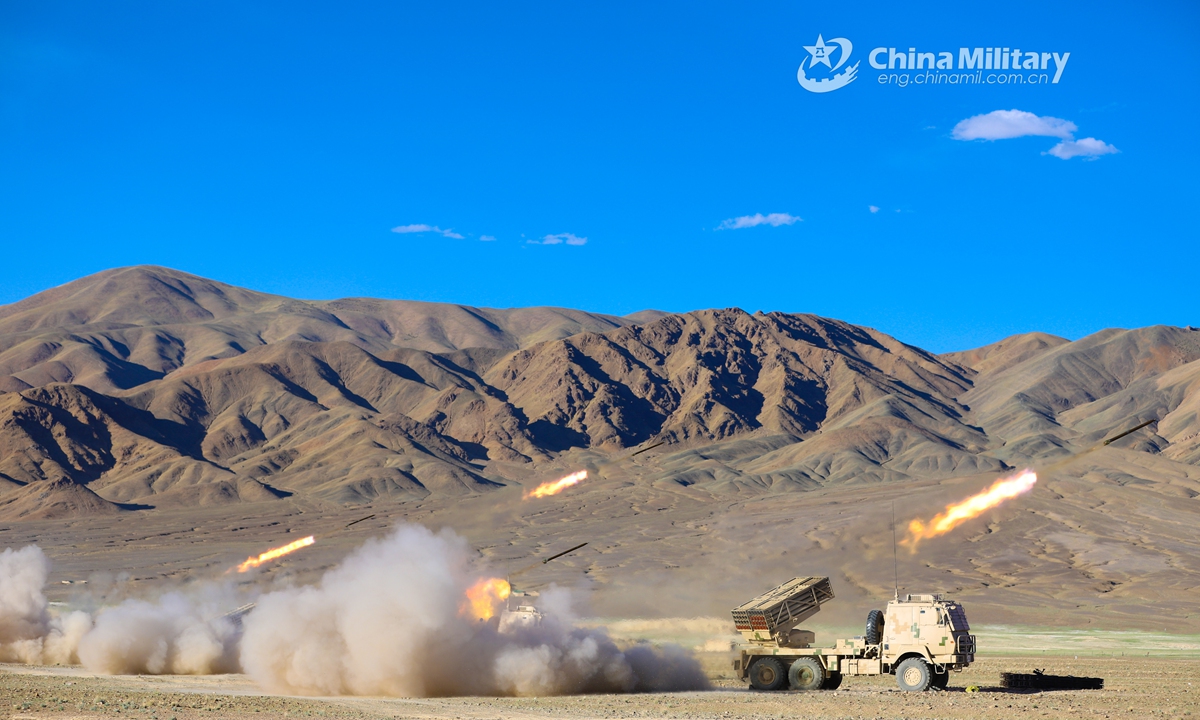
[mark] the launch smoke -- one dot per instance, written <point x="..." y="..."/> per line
<point x="28" y="632"/>
<point x="388" y="621"/>
<point x="176" y="633"/>
<point x="180" y="634"/>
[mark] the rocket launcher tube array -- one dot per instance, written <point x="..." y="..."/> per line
<point x="776" y="612"/>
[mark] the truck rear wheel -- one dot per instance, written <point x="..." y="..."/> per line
<point x="874" y="632"/>
<point x="806" y="674"/>
<point x="940" y="680"/>
<point x="914" y="675"/>
<point x="833" y="682"/>
<point x="767" y="673"/>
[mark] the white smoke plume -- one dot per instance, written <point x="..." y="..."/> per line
<point x="181" y="634"/>
<point x="29" y="633"/>
<point x="175" y="634"/>
<point x="387" y="621"/>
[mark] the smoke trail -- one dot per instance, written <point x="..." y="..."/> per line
<point x="29" y="633"/>
<point x="387" y="622"/>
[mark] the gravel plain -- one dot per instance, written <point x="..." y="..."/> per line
<point x="1135" y="687"/>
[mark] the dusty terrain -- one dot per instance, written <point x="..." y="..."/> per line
<point x="1134" y="687"/>
<point x="659" y="549"/>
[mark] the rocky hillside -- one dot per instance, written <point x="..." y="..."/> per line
<point x="142" y="387"/>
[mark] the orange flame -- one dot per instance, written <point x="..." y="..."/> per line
<point x="557" y="486"/>
<point x="958" y="513"/>
<point x="278" y="552"/>
<point x="485" y="596"/>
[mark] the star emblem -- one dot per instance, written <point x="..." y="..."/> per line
<point x="820" y="52"/>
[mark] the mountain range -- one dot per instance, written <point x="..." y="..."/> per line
<point x="143" y="387"/>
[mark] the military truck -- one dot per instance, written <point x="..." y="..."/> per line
<point x="919" y="639"/>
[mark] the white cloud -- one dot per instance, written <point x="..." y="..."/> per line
<point x="1090" y="148"/>
<point x="749" y="221"/>
<point x="487" y="238"/>
<point x="559" y="239"/>
<point x="1007" y="124"/>
<point x="873" y="208"/>
<point x="422" y="228"/>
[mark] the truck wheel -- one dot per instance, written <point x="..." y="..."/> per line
<point x="913" y="675"/>
<point x="940" y="680"/>
<point x="833" y="682"/>
<point x="767" y="673"/>
<point x="874" y="632"/>
<point x="806" y="674"/>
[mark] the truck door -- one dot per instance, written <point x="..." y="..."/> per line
<point x="899" y="628"/>
<point x="935" y="630"/>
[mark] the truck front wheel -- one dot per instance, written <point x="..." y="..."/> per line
<point x="806" y="674"/>
<point x="914" y="675"/>
<point x="767" y="673"/>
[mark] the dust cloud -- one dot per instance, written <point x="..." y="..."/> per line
<point x="176" y="633"/>
<point x="388" y="621"/>
<point x="28" y="632"/>
<point x="181" y="634"/>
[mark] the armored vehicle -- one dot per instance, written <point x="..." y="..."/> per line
<point x="919" y="639"/>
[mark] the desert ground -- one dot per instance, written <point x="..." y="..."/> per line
<point x="1135" y="687"/>
<point x="1072" y="554"/>
<point x="619" y="575"/>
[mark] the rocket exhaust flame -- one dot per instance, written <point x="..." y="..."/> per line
<point x="974" y="506"/>
<point x="278" y="552"/>
<point x="557" y="486"/>
<point x="485" y="597"/>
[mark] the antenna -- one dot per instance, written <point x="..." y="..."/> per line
<point x="895" y="561"/>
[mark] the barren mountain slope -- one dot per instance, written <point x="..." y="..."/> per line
<point x="1073" y="394"/>
<point x="999" y="356"/>
<point x="121" y="328"/>
<point x="67" y="433"/>
<point x="860" y="399"/>
<point x="234" y="395"/>
<point x="340" y="422"/>
<point x="325" y="418"/>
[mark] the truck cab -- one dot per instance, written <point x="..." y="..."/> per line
<point x="929" y="628"/>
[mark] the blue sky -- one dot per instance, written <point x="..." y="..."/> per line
<point x="277" y="145"/>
